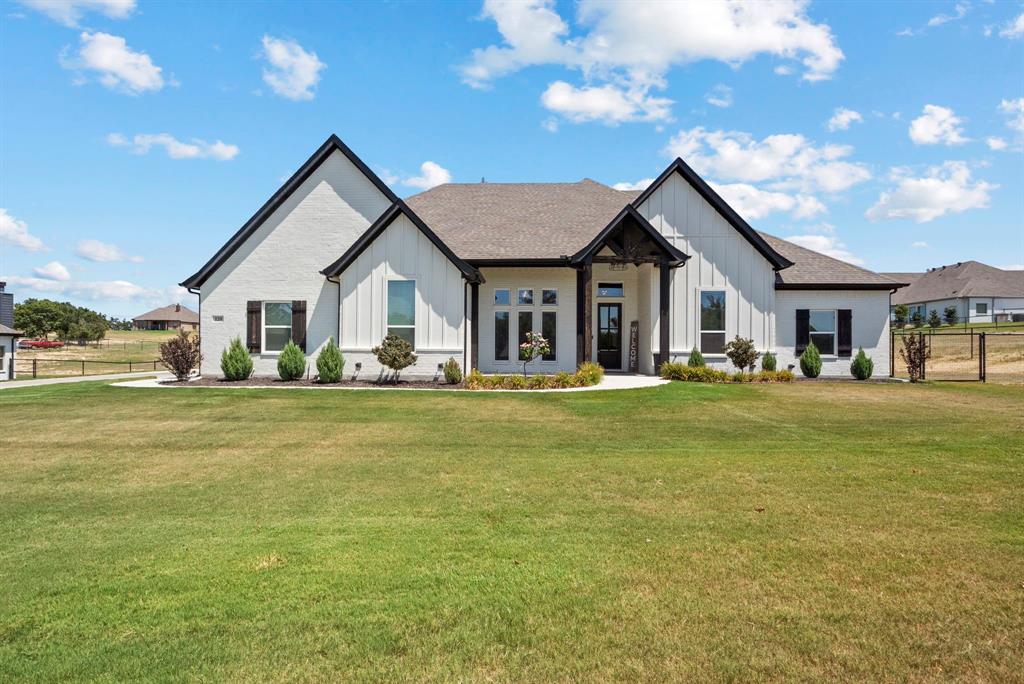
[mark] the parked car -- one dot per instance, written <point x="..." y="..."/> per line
<point x="40" y="343"/>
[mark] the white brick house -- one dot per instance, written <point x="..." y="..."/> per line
<point x="628" y="279"/>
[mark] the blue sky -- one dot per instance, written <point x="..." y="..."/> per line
<point x="136" y="137"/>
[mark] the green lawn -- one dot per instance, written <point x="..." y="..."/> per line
<point x="803" y="532"/>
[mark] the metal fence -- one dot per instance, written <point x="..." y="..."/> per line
<point x="50" y="368"/>
<point x="978" y="356"/>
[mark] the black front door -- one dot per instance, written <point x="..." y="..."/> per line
<point x="609" y="336"/>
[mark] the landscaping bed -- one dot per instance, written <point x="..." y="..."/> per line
<point x="263" y="381"/>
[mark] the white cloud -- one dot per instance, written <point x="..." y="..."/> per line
<point x="118" y="66"/>
<point x="1013" y="28"/>
<point x="69" y="12"/>
<point x="632" y="46"/>
<point x="944" y="189"/>
<point x="960" y="10"/>
<point x="608" y="104"/>
<point x="53" y="271"/>
<point x="920" y="244"/>
<point x="641" y="184"/>
<point x="95" y="290"/>
<point x="16" y="232"/>
<point x="103" y="252"/>
<point x="995" y="143"/>
<point x="550" y="124"/>
<point x="719" y="96"/>
<point x="753" y="203"/>
<point x="828" y="245"/>
<point x="431" y="175"/>
<point x="788" y="161"/>
<point x="937" y="125"/>
<point x="842" y="118"/>
<point x="783" y="70"/>
<point x="292" y="72"/>
<point x="1014" y="111"/>
<point x="194" y="149"/>
<point x="1012" y="267"/>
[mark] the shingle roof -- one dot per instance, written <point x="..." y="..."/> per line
<point x="170" y="313"/>
<point x="815" y="269"/>
<point x="481" y="221"/>
<point x="965" y="279"/>
<point x="5" y="330"/>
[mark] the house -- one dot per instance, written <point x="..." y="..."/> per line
<point x="628" y="279"/>
<point x="8" y="335"/>
<point x="980" y="293"/>
<point x="171" y="317"/>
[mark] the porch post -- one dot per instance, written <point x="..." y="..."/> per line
<point x="665" y="316"/>
<point x="584" y="323"/>
<point x="474" y="326"/>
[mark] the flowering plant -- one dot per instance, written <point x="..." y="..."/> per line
<point x="534" y="347"/>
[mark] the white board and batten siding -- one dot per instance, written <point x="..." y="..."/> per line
<point x="282" y="261"/>
<point x="721" y="259"/>
<point x="402" y="252"/>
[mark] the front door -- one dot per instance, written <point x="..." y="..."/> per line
<point x="609" y="336"/>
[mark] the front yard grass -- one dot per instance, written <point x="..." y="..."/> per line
<point x="727" y="532"/>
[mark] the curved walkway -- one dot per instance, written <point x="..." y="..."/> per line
<point x="15" y="384"/>
<point x="610" y="382"/>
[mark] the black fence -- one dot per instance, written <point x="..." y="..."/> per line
<point x="978" y="356"/>
<point x="47" y="367"/>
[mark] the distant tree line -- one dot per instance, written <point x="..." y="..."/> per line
<point x="42" y="317"/>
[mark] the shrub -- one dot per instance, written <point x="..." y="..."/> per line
<point x="590" y="373"/>
<point x="742" y="353"/>
<point x="452" y="371"/>
<point x="862" y="366"/>
<point x="678" y="371"/>
<point x="475" y="379"/>
<point x="534" y="347"/>
<point x="900" y="313"/>
<point x="916" y="320"/>
<point x="586" y="375"/>
<point x="235" y="362"/>
<point x="291" y="363"/>
<point x="810" y="361"/>
<point x="933" y="319"/>
<point x="773" y="376"/>
<point x="180" y="354"/>
<point x="394" y="353"/>
<point x="950" y="315"/>
<point x="914" y="352"/>
<point x="696" y="359"/>
<point x="330" y="364"/>
<point x="768" y="362"/>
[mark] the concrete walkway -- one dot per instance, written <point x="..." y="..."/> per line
<point x="610" y="382"/>
<point x="15" y="384"/>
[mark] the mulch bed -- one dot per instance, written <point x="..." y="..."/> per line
<point x="277" y="382"/>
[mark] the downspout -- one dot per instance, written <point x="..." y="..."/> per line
<point x="195" y="291"/>
<point x="465" y="325"/>
<point x="892" y="339"/>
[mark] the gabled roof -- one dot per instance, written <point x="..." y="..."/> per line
<point x="5" y="330"/>
<point x="630" y="216"/>
<point x="778" y="261"/>
<point x="815" y="271"/>
<point x="398" y="208"/>
<point x="331" y="145"/>
<point x="964" y="279"/>
<point x="171" y="312"/>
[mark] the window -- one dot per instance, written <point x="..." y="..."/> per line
<point x="3" y="356"/>
<point x="609" y="290"/>
<point x="525" y="297"/>
<point x="502" y="297"/>
<point x="549" y="297"/>
<point x="981" y="308"/>
<point x="823" y="331"/>
<point x="501" y="335"/>
<point x="525" y="326"/>
<point x="402" y="310"/>
<point x="549" y="329"/>
<point x="712" y="322"/>
<point x="277" y="325"/>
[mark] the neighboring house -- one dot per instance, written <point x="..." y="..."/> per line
<point x="980" y="293"/>
<point x="8" y="335"/>
<point x="171" y="317"/>
<point x="628" y="279"/>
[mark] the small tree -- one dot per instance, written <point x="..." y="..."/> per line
<point x="180" y="354"/>
<point x="291" y="362"/>
<point x="810" y="361"/>
<point x="933" y="319"/>
<point x="696" y="359"/>
<point x="235" y="362"/>
<point x="768" y="362"/>
<point x="394" y="353"/>
<point x="330" y="364"/>
<point x="915" y="319"/>
<point x="914" y="352"/>
<point x="862" y="366"/>
<point x="950" y="315"/>
<point x="742" y="353"/>
<point x="900" y="313"/>
<point x="534" y="347"/>
<point x="452" y="371"/>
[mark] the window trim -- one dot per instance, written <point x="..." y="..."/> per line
<point x="835" y="331"/>
<point x="700" y="328"/>
<point x="387" y="298"/>
<point x="264" y="325"/>
<point x="620" y="283"/>
<point x="980" y="313"/>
